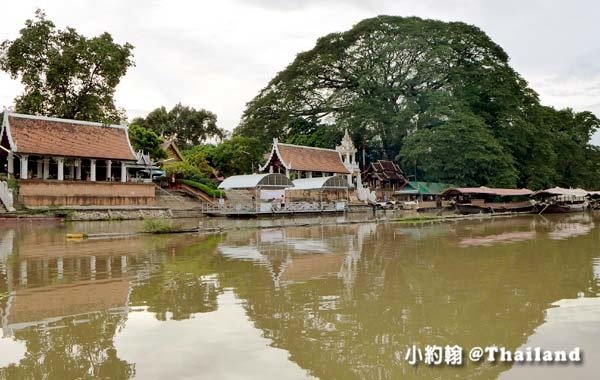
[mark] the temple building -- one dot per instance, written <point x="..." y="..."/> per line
<point x="298" y="161"/>
<point x="385" y="177"/>
<point x="173" y="153"/>
<point x="52" y="158"/>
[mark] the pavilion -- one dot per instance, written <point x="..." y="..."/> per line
<point x="52" y="158"/>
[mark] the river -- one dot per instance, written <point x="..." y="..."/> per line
<point x="300" y="302"/>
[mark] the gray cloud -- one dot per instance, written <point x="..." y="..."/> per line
<point x="218" y="55"/>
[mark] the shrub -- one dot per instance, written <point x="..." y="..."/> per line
<point x="157" y="226"/>
<point x="208" y="189"/>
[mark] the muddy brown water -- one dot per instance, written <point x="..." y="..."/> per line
<point x="322" y="301"/>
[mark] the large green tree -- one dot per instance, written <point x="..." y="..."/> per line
<point x="64" y="73"/>
<point x="390" y="77"/>
<point x="236" y="155"/>
<point x="187" y="125"/>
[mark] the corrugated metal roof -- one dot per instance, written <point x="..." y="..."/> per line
<point x="416" y="187"/>
<point x="332" y="182"/>
<point x="249" y="181"/>
<point x="559" y="191"/>
<point x="488" y="191"/>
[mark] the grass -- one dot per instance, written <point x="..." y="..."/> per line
<point x="215" y="193"/>
<point x="157" y="226"/>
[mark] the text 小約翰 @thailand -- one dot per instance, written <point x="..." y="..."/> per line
<point x="455" y="355"/>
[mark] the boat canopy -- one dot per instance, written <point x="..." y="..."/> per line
<point x="560" y="192"/>
<point x="333" y="182"/>
<point x="483" y="190"/>
<point x="251" y="181"/>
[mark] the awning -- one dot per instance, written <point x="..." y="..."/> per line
<point x="250" y="181"/>
<point x="333" y="182"/>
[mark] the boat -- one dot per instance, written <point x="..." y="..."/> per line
<point x="558" y="200"/>
<point x="485" y="200"/>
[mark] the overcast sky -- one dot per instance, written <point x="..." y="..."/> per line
<point x="218" y="54"/>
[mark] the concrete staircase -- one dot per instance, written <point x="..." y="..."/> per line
<point x="181" y="204"/>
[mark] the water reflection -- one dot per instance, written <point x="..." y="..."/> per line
<point x="324" y="301"/>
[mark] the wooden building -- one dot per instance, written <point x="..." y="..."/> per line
<point x="385" y="177"/>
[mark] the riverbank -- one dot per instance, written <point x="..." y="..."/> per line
<point x="218" y="225"/>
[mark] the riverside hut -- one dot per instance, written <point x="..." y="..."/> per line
<point x="474" y="200"/>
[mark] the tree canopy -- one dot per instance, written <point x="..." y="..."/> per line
<point x="147" y="141"/>
<point x="185" y="124"/>
<point x="64" y="73"/>
<point x="405" y="87"/>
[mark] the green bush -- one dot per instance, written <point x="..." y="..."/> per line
<point x="208" y="189"/>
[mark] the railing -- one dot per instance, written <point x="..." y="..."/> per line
<point x="6" y="196"/>
<point x="268" y="207"/>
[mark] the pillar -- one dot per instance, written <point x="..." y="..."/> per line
<point x="60" y="162"/>
<point x="287" y="172"/>
<point x="11" y="164"/>
<point x="109" y="266"/>
<point x="40" y="169"/>
<point x="93" y="170"/>
<point x="123" y="172"/>
<point x="71" y="171"/>
<point x="46" y="168"/>
<point x="24" y="162"/>
<point x="93" y="267"/>
<point x="78" y="169"/>
<point x="108" y="169"/>
<point x="23" y="272"/>
<point x="60" y="268"/>
<point x="309" y="175"/>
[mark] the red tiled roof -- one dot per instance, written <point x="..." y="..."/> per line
<point x="298" y="157"/>
<point x="69" y="138"/>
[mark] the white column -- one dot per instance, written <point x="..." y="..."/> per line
<point x="123" y="172"/>
<point x="93" y="267"/>
<point x="60" y="162"/>
<point x="40" y="169"/>
<point x="309" y="175"/>
<point x="46" y="168"/>
<point x="71" y="171"/>
<point x="78" y="169"/>
<point x="108" y="169"/>
<point x="24" y="162"/>
<point x="287" y="172"/>
<point x="11" y="164"/>
<point x="60" y="267"/>
<point x="123" y="264"/>
<point x="93" y="170"/>
<point x="271" y="169"/>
